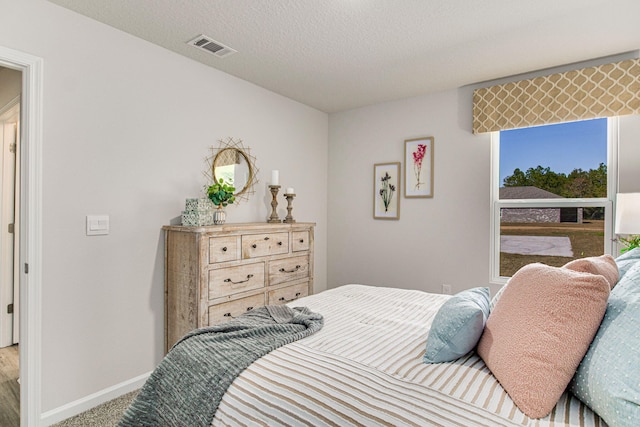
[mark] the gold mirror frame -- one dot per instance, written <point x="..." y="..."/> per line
<point x="232" y="151"/>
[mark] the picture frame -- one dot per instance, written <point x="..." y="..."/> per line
<point x="386" y="190"/>
<point x="418" y="167"/>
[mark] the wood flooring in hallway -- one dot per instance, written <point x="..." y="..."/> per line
<point x="9" y="387"/>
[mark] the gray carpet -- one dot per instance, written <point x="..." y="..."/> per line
<point x="107" y="414"/>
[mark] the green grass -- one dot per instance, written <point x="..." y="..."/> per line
<point x="587" y="239"/>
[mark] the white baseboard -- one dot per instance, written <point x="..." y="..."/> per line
<point x="76" y="407"/>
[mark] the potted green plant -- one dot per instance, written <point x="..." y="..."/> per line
<point x="630" y="243"/>
<point x="221" y="194"/>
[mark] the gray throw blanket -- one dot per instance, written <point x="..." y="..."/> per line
<point x="188" y="384"/>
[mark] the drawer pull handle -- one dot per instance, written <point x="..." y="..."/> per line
<point x="249" y="276"/>
<point x="233" y="317"/>
<point x="283" y="299"/>
<point x="282" y="270"/>
<point x="266" y="238"/>
<point x="301" y="240"/>
<point x="224" y="249"/>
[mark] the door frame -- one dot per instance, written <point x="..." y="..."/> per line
<point x="30" y="234"/>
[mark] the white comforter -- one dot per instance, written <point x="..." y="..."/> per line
<point x="365" y="368"/>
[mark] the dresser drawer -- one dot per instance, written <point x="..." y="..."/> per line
<point x="231" y="280"/>
<point x="223" y="249"/>
<point x="288" y="294"/>
<point x="220" y="313"/>
<point x="259" y="245"/>
<point x="284" y="270"/>
<point x="300" y="241"/>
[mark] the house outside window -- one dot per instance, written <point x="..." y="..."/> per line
<point x="552" y="190"/>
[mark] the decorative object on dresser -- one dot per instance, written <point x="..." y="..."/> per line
<point x="274" y="188"/>
<point x="213" y="274"/>
<point x="274" y="204"/>
<point x="289" y="195"/>
<point x="221" y="195"/>
<point x="198" y="212"/>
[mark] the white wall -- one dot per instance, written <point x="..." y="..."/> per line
<point x="439" y="240"/>
<point x="127" y="126"/>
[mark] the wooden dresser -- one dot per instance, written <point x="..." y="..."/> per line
<point x="215" y="273"/>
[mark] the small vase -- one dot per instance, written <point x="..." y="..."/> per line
<point x="219" y="216"/>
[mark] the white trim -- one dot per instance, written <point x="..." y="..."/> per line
<point x="613" y="129"/>
<point x="494" y="246"/>
<point x="91" y="401"/>
<point x="31" y="231"/>
<point x="553" y="203"/>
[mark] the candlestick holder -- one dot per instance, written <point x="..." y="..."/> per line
<point x="289" y="218"/>
<point x="274" y="203"/>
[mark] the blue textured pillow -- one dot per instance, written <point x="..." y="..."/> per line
<point x="626" y="261"/>
<point x="457" y="326"/>
<point x="608" y="378"/>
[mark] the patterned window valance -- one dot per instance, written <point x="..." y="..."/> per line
<point x="602" y="91"/>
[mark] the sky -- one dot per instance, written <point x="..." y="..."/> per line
<point x="562" y="147"/>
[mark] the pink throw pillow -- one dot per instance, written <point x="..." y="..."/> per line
<point x="604" y="265"/>
<point x="540" y="330"/>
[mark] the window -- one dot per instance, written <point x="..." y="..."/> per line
<point x="551" y="194"/>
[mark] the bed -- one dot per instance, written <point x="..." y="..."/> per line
<point x="365" y="367"/>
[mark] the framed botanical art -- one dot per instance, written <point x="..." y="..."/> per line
<point x="386" y="185"/>
<point x="418" y="167"/>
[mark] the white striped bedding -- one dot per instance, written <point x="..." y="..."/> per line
<point x="365" y="368"/>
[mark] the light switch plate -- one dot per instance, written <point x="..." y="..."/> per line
<point x="97" y="225"/>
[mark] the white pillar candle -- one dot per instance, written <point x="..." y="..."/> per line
<point x="275" y="176"/>
<point x="290" y="190"/>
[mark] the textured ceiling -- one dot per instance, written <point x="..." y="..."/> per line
<point x="336" y="55"/>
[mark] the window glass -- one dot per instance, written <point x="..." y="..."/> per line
<point x="553" y="236"/>
<point x="551" y="203"/>
<point x="567" y="159"/>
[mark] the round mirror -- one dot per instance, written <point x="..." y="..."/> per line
<point x="233" y="162"/>
<point x="234" y="166"/>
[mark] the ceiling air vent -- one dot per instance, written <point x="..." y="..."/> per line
<point x="207" y="43"/>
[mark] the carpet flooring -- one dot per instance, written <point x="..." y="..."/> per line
<point x="106" y="415"/>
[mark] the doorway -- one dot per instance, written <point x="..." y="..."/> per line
<point x="10" y="91"/>
<point x="28" y="258"/>
<point x="9" y="208"/>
